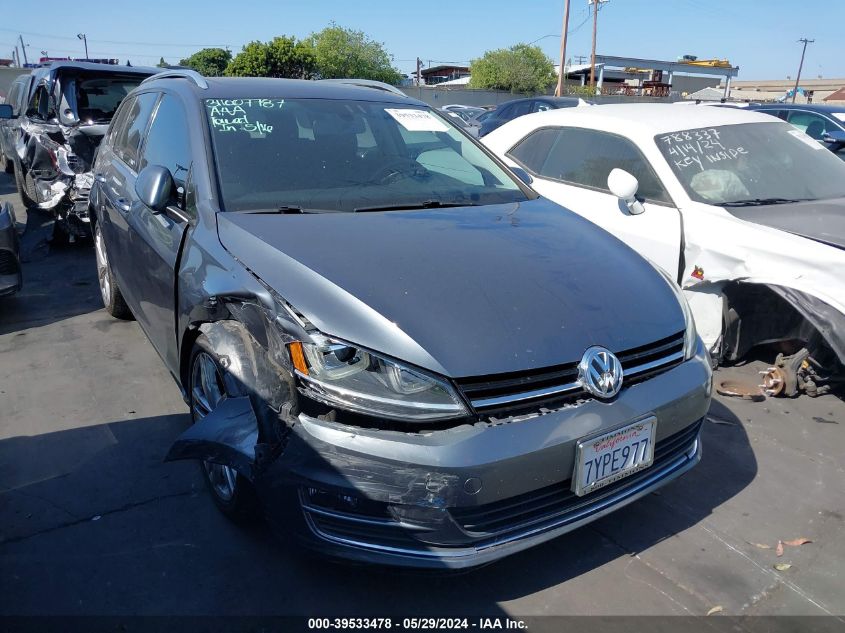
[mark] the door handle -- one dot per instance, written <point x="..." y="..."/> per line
<point x="122" y="204"/>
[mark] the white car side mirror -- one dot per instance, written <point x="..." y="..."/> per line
<point x="624" y="186"/>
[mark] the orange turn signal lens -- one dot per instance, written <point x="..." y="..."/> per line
<point x="298" y="357"/>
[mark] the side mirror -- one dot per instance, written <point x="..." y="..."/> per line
<point x="6" y="111"/>
<point x="154" y="186"/>
<point x="624" y="186"/>
<point x="834" y="136"/>
<point x="523" y="175"/>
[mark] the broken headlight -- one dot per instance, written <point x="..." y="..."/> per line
<point x="348" y="377"/>
<point x="690" y="333"/>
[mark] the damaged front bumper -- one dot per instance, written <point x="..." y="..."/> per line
<point x="457" y="497"/>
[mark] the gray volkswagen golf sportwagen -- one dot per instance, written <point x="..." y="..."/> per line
<point x="390" y="345"/>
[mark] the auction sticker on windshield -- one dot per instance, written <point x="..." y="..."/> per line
<point x="602" y="460"/>
<point x="417" y="120"/>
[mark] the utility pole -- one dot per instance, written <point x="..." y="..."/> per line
<point x="800" y="66"/>
<point x="17" y="58"/>
<point x="419" y="65"/>
<point x="23" y="48"/>
<point x="562" y="74"/>
<point x="595" y="4"/>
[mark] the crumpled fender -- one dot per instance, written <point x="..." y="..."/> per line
<point x="228" y="435"/>
<point x="721" y="248"/>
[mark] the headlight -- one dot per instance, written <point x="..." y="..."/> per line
<point x="690" y="334"/>
<point x="345" y="376"/>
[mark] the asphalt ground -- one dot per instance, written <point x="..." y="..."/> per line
<point x="93" y="522"/>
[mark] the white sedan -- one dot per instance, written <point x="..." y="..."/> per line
<point x="745" y="212"/>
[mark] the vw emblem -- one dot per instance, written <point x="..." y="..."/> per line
<point x="600" y="372"/>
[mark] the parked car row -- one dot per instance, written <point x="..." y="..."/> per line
<point x="400" y="346"/>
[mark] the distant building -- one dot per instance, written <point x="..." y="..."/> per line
<point x="814" y="90"/>
<point x="440" y="74"/>
<point x="834" y="97"/>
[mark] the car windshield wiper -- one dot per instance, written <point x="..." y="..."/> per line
<point x="410" y="206"/>
<point x="755" y="202"/>
<point x="286" y="209"/>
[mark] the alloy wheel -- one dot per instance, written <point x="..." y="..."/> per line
<point x="207" y="391"/>
<point x="103" y="272"/>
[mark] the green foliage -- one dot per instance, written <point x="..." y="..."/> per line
<point x="281" y="57"/>
<point x="211" y="62"/>
<point x="161" y="63"/>
<point x="520" y="68"/>
<point x="344" y="53"/>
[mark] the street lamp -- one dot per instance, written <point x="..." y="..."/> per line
<point x="84" y="39"/>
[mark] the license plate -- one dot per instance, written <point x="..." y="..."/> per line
<point x="604" y="459"/>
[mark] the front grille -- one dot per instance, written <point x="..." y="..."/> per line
<point x="554" y="386"/>
<point x="555" y="505"/>
<point x="8" y="263"/>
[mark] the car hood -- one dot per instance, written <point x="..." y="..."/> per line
<point x="819" y="220"/>
<point x="460" y="291"/>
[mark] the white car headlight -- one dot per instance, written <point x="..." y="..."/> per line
<point x="690" y="334"/>
<point x="342" y="375"/>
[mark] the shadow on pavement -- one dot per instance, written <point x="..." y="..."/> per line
<point x="94" y="519"/>
<point x="58" y="283"/>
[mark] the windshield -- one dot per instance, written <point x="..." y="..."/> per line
<point x="327" y="155"/>
<point x="752" y="163"/>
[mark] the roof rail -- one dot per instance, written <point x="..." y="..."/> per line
<point x="183" y="73"/>
<point x="369" y="83"/>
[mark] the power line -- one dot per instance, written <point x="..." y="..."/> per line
<point x="65" y="37"/>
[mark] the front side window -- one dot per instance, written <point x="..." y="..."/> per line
<point x="167" y="141"/>
<point x="585" y="158"/>
<point x="752" y="164"/>
<point x="331" y="155"/>
<point x="128" y="137"/>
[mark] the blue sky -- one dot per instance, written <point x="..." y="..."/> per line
<point x="758" y="35"/>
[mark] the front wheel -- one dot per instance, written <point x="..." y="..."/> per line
<point x="112" y="297"/>
<point x="233" y="494"/>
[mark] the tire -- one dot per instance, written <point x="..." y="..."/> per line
<point x="233" y="494"/>
<point x="112" y="297"/>
<point x="26" y="194"/>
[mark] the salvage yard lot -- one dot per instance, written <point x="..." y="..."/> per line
<point x="93" y="522"/>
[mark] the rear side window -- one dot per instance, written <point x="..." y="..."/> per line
<point x="585" y="158"/>
<point x="128" y="137"/>
<point x="167" y="141"/>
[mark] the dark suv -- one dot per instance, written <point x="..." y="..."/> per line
<point x="511" y="110"/>
<point x="53" y="131"/>
<point x="386" y="340"/>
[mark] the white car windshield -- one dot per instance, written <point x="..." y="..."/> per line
<point x="752" y="164"/>
<point x="321" y="155"/>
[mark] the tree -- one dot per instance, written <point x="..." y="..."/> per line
<point x="211" y="62"/>
<point x="520" y="68"/>
<point x="281" y="57"/>
<point x="161" y="63"/>
<point x="343" y="53"/>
